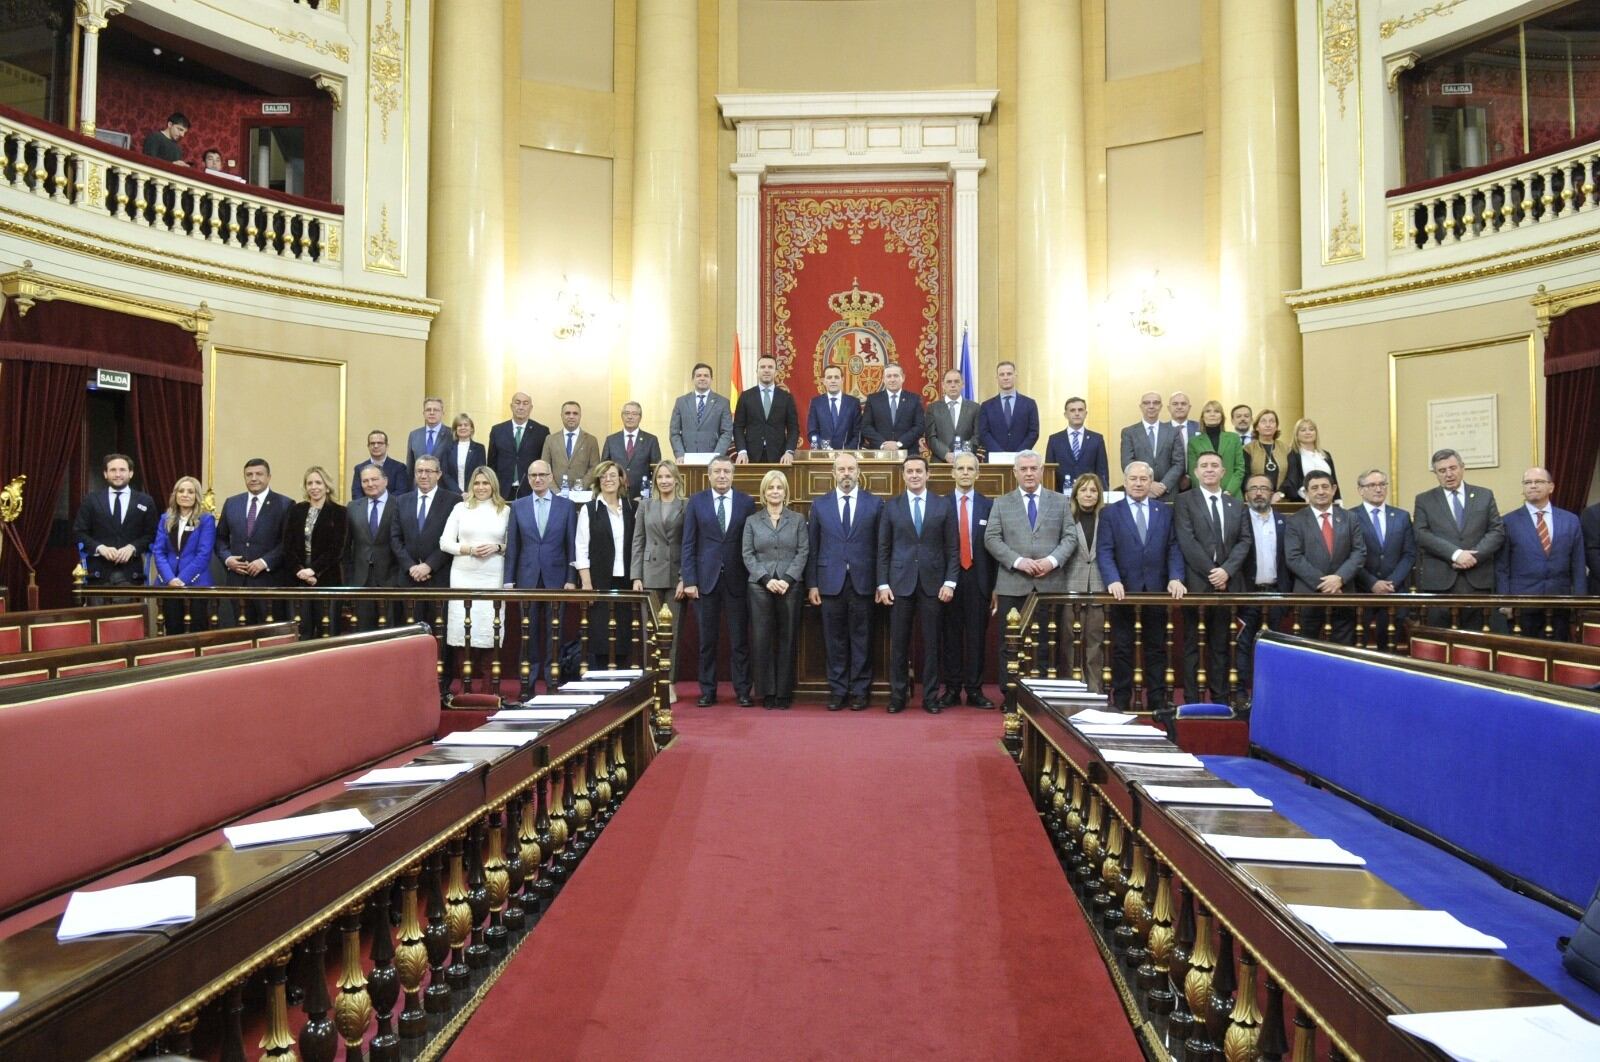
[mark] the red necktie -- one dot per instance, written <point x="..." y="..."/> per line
<point x="966" y="537"/>
<point x="630" y="447"/>
<point x="1327" y="532"/>
<point x="1544" y="532"/>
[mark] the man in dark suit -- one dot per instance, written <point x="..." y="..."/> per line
<point x="834" y="420"/>
<point x="1137" y="551"/>
<point x="541" y="543"/>
<point x="1183" y="429"/>
<point x="1214" y="536"/>
<point x="434" y="437"/>
<point x="514" y="445"/>
<point x="766" y="426"/>
<point x="369" y="553"/>
<point x="420" y="516"/>
<point x="841" y="573"/>
<point x="1459" y="530"/>
<point x="1324" y="549"/>
<point x="1543" y="556"/>
<point x="1590" y="521"/>
<point x="1242" y="417"/>
<point x="1075" y="449"/>
<point x="952" y="421"/>
<point x="1391" y="553"/>
<point x="115" y="526"/>
<point x="1008" y="422"/>
<point x="702" y="420"/>
<point x="893" y="419"/>
<point x="966" y="618"/>
<point x="394" y="473"/>
<point x="714" y="577"/>
<point x="250" y="538"/>
<point x="917" y="567"/>
<point x="1266" y="572"/>
<point x="635" y="452"/>
<point x="1151" y="442"/>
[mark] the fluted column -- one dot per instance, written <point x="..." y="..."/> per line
<point x="466" y="208"/>
<point x="964" y="175"/>
<point x="666" y="205"/>
<point x="92" y="16"/>
<point x="1052" y="273"/>
<point x="1258" y="337"/>
<point x="747" y="282"/>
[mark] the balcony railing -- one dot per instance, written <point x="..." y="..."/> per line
<point x="65" y="169"/>
<point x="1532" y="194"/>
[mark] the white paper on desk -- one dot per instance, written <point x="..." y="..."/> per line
<point x="698" y="458"/>
<point x="1055" y="684"/>
<point x="8" y="998"/>
<point x="556" y="700"/>
<point x="1094" y="715"/>
<point x="1127" y="730"/>
<point x="616" y="673"/>
<point x="1318" y="850"/>
<point x="1214" y="795"/>
<point x="532" y="715"/>
<point x="1512" y="1034"/>
<point x="1003" y="457"/>
<point x="297" y="828"/>
<point x="1393" y="929"/>
<point x="585" y="686"/>
<point x="413" y="774"/>
<point x="500" y="739"/>
<point x="142" y="905"/>
<point x="1150" y="759"/>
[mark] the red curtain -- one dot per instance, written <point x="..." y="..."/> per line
<point x="167" y="432"/>
<point x="70" y="333"/>
<point x="1572" y="403"/>
<point x="44" y="413"/>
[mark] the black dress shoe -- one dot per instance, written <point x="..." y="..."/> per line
<point x="744" y="701"/>
<point x="706" y="700"/>
<point x="978" y="700"/>
<point x="858" y="704"/>
<point x="769" y="702"/>
<point x="835" y="703"/>
<point x="932" y="707"/>
<point x="782" y="704"/>
<point x="896" y="706"/>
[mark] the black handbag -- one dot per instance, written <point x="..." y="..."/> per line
<point x="1582" y="950"/>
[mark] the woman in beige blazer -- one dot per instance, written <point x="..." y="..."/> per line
<point x="1083" y="574"/>
<point x="658" y="549"/>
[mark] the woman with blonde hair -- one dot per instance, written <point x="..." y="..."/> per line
<point x="1083" y="574"/>
<point x="182" y="552"/>
<point x="776" y="546"/>
<point x="604" y="547"/>
<point x="1306" y="455"/>
<point x="461" y="457"/>
<point x="475" y="535"/>
<point x="657" y="555"/>
<point x="314" y="537"/>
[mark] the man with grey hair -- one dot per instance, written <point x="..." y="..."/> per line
<point x="514" y="445"/>
<point x="1459" y="531"/>
<point x="421" y="562"/>
<point x="1030" y="536"/>
<point x="434" y="437"/>
<point x="1151" y="441"/>
<point x="1137" y="551"/>
<point x="635" y="451"/>
<point x="1391" y="552"/>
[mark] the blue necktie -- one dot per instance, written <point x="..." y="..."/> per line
<point x="847" y="516"/>
<point x="422" y="510"/>
<point x="916" y="514"/>
<point x="700" y="414"/>
<point x="1377" y="526"/>
<point x="540" y="509"/>
<point x="722" y="511"/>
<point x="569" y="444"/>
<point x="1008" y="411"/>
<point x="431" y="432"/>
<point x="1077" y="444"/>
<point x="1033" y="512"/>
<point x="1461" y="513"/>
<point x="1138" y="521"/>
<point x="372" y="519"/>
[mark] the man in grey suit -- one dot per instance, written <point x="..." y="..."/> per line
<point x="1458" y="531"/>
<point x="702" y="420"/>
<point x="635" y="451"/>
<point x="1030" y="535"/>
<point x="430" y="440"/>
<point x="1324" y="548"/>
<point x="369" y="553"/>
<point x="1152" y="442"/>
<point x="950" y="418"/>
<point x="1214" y="535"/>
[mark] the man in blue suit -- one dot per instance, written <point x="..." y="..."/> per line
<point x="540" y="537"/>
<point x="434" y="437"/>
<point x="917" y="568"/>
<point x="1138" y="552"/>
<point x="893" y="419"/>
<point x="1391" y="553"/>
<point x="1008" y="422"/>
<point x="833" y="421"/>
<point x="419" y="560"/>
<point x="966" y="618"/>
<point x="1075" y="450"/>
<point x="714" y="577"/>
<point x="250" y="538"/>
<point x="1542" y="556"/>
<point x="399" y="481"/>
<point x="1266" y="572"/>
<point x="842" y="572"/>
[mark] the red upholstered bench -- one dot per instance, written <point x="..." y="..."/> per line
<point x="139" y="762"/>
<point x="33" y="632"/>
<point x="141" y="652"/>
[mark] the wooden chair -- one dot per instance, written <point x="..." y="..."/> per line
<point x="1429" y="649"/>
<point x="1471" y="656"/>
<point x="1520" y="665"/>
<point x="1568" y="673"/>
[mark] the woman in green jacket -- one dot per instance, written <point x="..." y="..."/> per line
<point x="1214" y="438"/>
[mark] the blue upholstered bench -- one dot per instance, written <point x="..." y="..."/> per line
<point x="1470" y="792"/>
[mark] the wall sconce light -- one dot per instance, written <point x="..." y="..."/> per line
<point x="569" y="318"/>
<point x="1146" y="308"/>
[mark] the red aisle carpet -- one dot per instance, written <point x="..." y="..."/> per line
<point x="813" y="885"/>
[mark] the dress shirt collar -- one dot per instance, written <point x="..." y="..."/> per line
<point x="427" y="494"/>
<point x="113" y="492"/>
<point x="918" y="494"/>
<point x="846" y="495"/>
<point x="1376" y="512"/>
<point x="1148" y="424"/>
<point x="962" y="492"/>
<point x="892" y="395"/>
<point x="1535" y="510"/>
<point x="262" y="495"/>
<point x="1212" y="496"/>
<point x="721" y="493"/>
<point x="699" y="393"/>
<point x="1008" y="394"/>
<point x="1266" y="519"/>
<point x="515" y="423"/>
<point x="541" y="495"/>
<point x="1320" y="512"/>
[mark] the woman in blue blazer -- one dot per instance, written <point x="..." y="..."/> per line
<point x="182" y="551"/>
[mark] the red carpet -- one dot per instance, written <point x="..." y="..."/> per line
<point x="814" y="885"/>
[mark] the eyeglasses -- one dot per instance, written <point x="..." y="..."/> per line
<point x="539" y="475"/>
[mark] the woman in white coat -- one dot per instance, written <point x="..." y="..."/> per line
<point x="476" y="536"/>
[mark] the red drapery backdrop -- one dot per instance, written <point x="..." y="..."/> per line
<point x="858" y="276"/>
<point x="44" y="413"/>
<point x="1572" y="403"/>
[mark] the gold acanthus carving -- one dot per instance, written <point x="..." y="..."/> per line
<point x="333" y="85"/>
<point x="1398" y="230"/>
<point x="331" y="241"/>
<point x="383" y="250"/>
<point x="1390" y="26"/>
<point x="338" y="51"/>
<point x="386" y="68"/>
<point x="1344" y="239"/>
<point x="1396" y="65"/>
<point x="94" y="15"/>
<point x="1341" y="47"/>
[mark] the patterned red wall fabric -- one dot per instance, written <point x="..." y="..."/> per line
<point x="136" y="101"/>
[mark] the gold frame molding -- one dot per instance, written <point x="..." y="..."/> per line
<point x="27" y="286"/>
<point x="1548" y="305"/>
<point x="1531" y="338"/>
<point x="269" y="355"/>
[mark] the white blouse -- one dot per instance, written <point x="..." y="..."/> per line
<point x="462" y="471"/>
<point x="619" y="563"/>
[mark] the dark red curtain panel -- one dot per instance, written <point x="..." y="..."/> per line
<point x="1572" y="403"/>
<point x="43" y="404"/>
<point x="73" y="334"/>
<point x="166" y="430"/>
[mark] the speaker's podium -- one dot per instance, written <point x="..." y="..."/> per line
<point x="810" y="477"/>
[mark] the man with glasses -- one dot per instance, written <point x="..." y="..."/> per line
<point x="1459" y="531"/>
<point x="1391" y="553"/>
<point x="540" y="537"/>
<point x="1266" y="572"/>
<point x="714" y="578"/>
<point x="1542" y="556"/>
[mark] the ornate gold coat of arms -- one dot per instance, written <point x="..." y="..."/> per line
<point x="856" y="343"/>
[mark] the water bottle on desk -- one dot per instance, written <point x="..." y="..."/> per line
<point x="814" y="441"/>
<point x="565" y="489"/>
<point x="644" y="494"/>
<point x="956" y="446"/>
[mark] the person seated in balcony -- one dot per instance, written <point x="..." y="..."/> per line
<point x="213" y="161"/>
<point x="163" y="143"/>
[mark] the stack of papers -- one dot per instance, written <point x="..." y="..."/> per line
<point x="1092" y="715"/>
<point x="1207" y="795"/>
<point x="1129" y="730"/>
<point x="1150" y="759"/>
<point x="1073" y="685"/>
<point x="8" y="998"/>
<point x="1393" y="929"/>
<point x="143" y="905"/>
<point x="1515" y="1034"/>
<point x="413" y="774"/>
<point x="1317" y="850"/>
<point x="494" y="739"/>
<point x="617" y="673"/>
<point x="558" y="700"/>
<point x="585" y="686"/>
<point x="532" y="715"/>
<point x="297" y="828"/>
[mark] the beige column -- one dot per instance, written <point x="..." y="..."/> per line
<point x="666" y="209"/>
<point x="1258" y="339"/>
<point x="93" y="16"/>
<point x="466" y="210"/>
<point x="1052" y="275"/>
